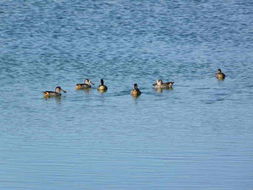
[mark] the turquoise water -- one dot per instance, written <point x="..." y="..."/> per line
<point x="194" y="137"/>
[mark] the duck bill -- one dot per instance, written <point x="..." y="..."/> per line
<point x="64" y="91"/>
<point x="154" y="84"/>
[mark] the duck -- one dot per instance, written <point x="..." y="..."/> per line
<point x="55" y="93"/>
<point x="102" y="87"/>
<point x="86" y="85"/>
<point x="161" y="84"/>
<point x="135" y="91"/>
<point x="220" y="75"/>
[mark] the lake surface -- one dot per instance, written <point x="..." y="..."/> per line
<point x="194" y="137"/>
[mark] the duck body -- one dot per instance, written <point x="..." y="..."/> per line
<point x="161" y="85"/>
<point x="82" y="86"/>
<point x="51" y="93"/>
<point x="86" y="85"/>
<point x="220" y="75"/>
<point x="102" y="87"/>
<point x="56" y="93"/>
<point x="135" y="91"/>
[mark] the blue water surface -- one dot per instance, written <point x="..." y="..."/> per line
<point x="195" y="136"/>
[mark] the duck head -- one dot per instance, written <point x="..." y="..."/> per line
<point x="219" y="71"/>
<point x="102" y="82"/>
<point x="58" y="89"/>
<point x="159" y="82"/>
<point x="135" y="86"/>
<point x="88" y="81"/>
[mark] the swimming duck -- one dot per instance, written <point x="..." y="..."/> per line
<point x="55" y="93"/>
<point x="220" y="75"/>
<point x="135" y="91"/>
<point x="160" y="84"/>
<point x="102" y="87"/>
<point x="86" y="85"/>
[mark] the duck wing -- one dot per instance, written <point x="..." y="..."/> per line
<point x="80" y="84"/>
<point x="45" y="92"/>
<point x="169" y="83"/>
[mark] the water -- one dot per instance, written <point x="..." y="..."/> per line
<point x="196" y="136"/>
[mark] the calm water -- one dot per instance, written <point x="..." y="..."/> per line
<point x="194" y="137"/>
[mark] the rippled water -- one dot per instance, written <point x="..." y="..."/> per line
<point x="196" y="136"/>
